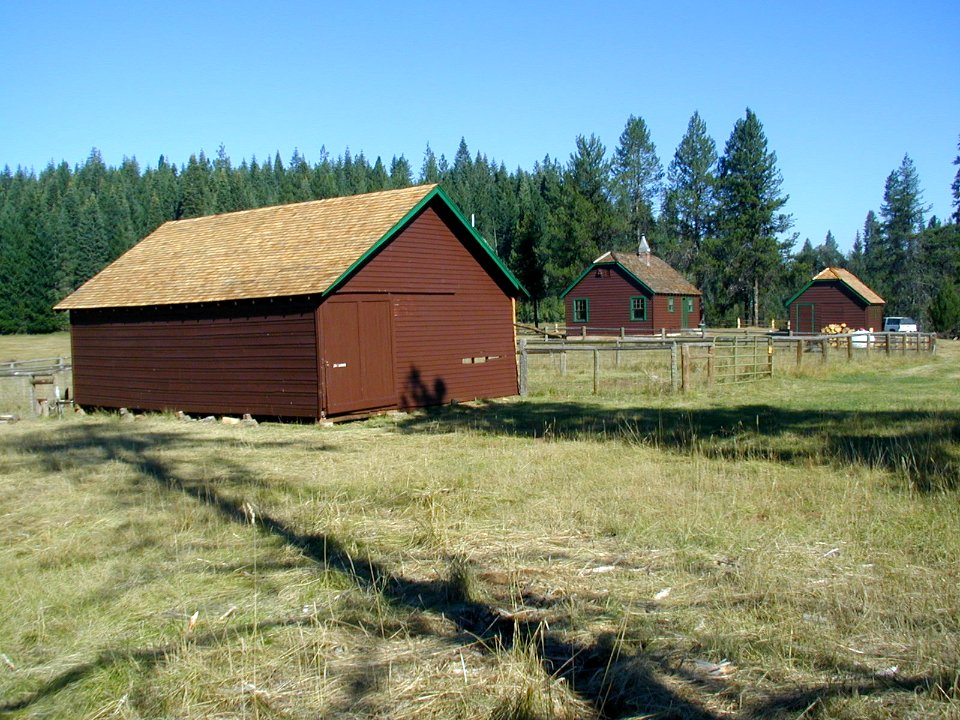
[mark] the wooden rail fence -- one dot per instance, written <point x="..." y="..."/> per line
<point x="724" y="358"/>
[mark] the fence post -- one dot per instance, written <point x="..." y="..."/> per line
<point x="710" y="364"/>
<point x="522" y="343"/>
<point x="849" y="348"/>
<point x="617" y="360"/>
<point x="596" y="371"/>
<point x="886" y="336"/>
<point x="824" y="350"/>
<point x="674" y="369"/>
<point x="684" y="368"/>
<point x="563" y="362"/>
<point x="770" y="357"/>
<point x="799" y="352"/>
<point x="735" y="359"/>
<point x="583" y="331"/>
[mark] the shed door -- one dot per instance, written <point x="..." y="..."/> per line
<point x="686" y="310"/>
<point x="804" y="318"/>
<point x="357" y="341"/>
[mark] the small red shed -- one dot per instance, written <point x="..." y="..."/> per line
<point x="637" y="292"/>
<point x="835" y="296"/>
<point x="331" y="307"/>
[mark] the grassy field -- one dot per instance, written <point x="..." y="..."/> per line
<point x="784" y="549"/>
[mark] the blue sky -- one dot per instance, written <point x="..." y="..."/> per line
<point x="843" y="89"/>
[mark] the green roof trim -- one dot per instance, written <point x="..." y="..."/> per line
<point x="612" y="263"/>
<point x="437" y="192"/>
<point x="806" y="287"/>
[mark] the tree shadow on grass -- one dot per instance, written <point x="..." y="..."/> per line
<point x="616" y="683"/>
<point x="922" y="448"/>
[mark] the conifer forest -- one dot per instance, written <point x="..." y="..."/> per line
<point x="716" y="213"/>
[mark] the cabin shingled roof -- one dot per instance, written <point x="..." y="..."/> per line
<point x="851" y="281"/>
<point x="297" y="249"/>
<point x="656" y="274"/>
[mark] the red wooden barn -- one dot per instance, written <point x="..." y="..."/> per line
<point x="338" y="306"/>
<point x="638" y="292"/>
<point x="835" y="296"/>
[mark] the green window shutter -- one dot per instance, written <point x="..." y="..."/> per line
<point x="638" y="308"/>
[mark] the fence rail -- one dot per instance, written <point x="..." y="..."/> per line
<point x="724" y="358"/>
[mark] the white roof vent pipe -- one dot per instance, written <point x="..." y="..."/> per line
<point x="644" y="249"/>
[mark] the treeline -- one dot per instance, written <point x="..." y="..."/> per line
<point x="718" y="217"/>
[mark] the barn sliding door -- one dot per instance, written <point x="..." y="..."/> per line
<point x="357" y="341"/>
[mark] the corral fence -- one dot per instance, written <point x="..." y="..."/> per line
<point x="38" y="385"/>
<point x="681" y="363"/>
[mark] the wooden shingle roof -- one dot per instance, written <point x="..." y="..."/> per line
<point x="847" y="278"/>
<point x="299" y="249"/>
<point x="652" y="272"/>
<point x="851" y="281"/>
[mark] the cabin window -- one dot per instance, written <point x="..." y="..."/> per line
<point x="688" y="305"/>
<point x="638" y="308"/>
<point x="581" y="310"/>
<point x="670" y="304"/>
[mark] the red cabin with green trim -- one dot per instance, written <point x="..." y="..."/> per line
<point x="633" y="293"/>
<point x="833" y="297"/>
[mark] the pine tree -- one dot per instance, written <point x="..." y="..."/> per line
<point x="855" y="262"/>
<point x="585" y="221"/>
<point x="956" y="188"/>
<point x="528" y="252"/>
<point x="400" y="173"/>
<point x="196" y="195"/>
<point x="828" y="253"/>
<point x="429" y="171"/>
<point x="690" y="201"/>
<point x="750" y="219"/>
<point x="945" y="309"/>
<point x="902" y="214"/>
<point x="637" y="178"/>
<point x="378" y="180"/>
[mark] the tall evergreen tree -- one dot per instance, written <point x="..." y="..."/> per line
<point x="585" y="221"/>
<point x="750" y="218"/>
<point x="637" y="178"/>
<point x="528" y="256"/>
<point x="956" y="188"/>
<point x="902" y="220"/>
<point x="690" y="201"/>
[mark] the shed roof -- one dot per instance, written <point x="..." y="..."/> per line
<point x="832" y="274"/>
<point x="298" y="249"/>
<point x="649" y="270"/>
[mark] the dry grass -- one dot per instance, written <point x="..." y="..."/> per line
<point x="789" y="549"/>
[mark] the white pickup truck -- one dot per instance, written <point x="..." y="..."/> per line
<point x="899" y="324"/>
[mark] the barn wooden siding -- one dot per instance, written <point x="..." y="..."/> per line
<point x="452" y="313"/>
<point x="610" y="296"/>
<point x="833" y="303"/>
<point x="226" y="358"/>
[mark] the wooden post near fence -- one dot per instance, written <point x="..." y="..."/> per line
<point x="596" y="371"/>
<point x="674" y="367"/>
<point x="522" y="346"/>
